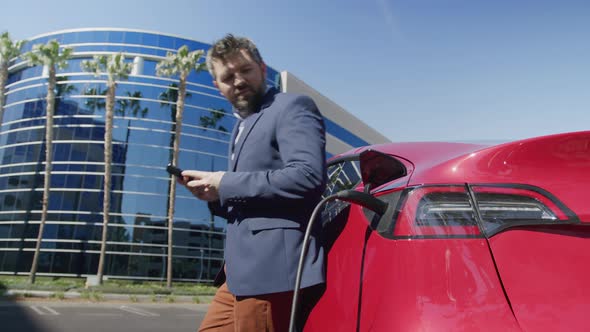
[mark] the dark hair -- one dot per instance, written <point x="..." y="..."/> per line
<point x="229" y="45"/>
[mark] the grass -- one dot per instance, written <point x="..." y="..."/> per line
<point x="117" y="286"/>
<point x="59" y="295"/>
<point x="96" y="296"/>
<point x="154" y="287"/>
<point x="42" y="283"/>
<point x="91" y="296"/>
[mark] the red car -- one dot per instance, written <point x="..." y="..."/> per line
<point x="466" y="237"/>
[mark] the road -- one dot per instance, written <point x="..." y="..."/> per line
<point x="69" y="316"/>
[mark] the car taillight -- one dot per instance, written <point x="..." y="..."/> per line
<point x="438" y="211"/>
<point x="504" y="206"/>
<point x="462" y="211"/>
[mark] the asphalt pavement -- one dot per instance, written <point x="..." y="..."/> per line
<point x="41" y="315"/>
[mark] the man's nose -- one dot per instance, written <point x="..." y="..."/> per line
<point x="239" y="80"/>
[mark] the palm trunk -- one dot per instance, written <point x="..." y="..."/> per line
<point x="108" y="142"/>
<point x="50" y="100"/>
<point x="175" y="150"/>
<point x="3" y="80"/>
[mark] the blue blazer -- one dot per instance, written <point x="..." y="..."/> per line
<point x="273" y="183"/>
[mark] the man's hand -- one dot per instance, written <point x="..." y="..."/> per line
<point x="204" y="185"/>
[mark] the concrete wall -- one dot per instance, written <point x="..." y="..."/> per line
<point x="334" y="112"/>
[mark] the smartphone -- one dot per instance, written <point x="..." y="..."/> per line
<point x="174" y="170"/>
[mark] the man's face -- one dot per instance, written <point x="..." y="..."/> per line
<point x="241" y="80"/>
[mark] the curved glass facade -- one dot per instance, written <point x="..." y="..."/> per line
<point x="142" y="144"/>
<point x="142" y="137"/>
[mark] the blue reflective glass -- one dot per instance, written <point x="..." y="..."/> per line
<point x="133" y="49"/>
<point x="149" y="67"/>
<point x="99" y="36"/>
<point x="54" y="203"/>
<point x="86" y="37"/>
<point x="76" y="167"/>
<point x="273" y="77"/>
<point x="132" y="37"/>
<point x="343" y="134"/>
<point x="92" y="181"/>
<point x="166" y="42"/>
<point x="191" y="209"/>
<point x="116" y="36"/>
<point x="69" y="38"/>
<point x="27" y="47"/>
<point x="73" y="181"/>
<point x="58" y="37"/>
<point x="42" y="40"/>
<point x="150" y="39"/>
<point x="14" y="77"/>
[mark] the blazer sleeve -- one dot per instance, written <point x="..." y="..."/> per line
<point x="301" y="139"/>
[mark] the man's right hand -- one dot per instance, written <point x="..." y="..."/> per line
<point x="204" y="185"/>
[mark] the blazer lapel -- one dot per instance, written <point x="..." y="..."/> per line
<point x="232" y="146"/>
<point x="249" y="123"/>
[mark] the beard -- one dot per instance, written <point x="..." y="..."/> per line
<point x="250" y="104"/>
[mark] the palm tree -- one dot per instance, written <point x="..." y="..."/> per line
<point x="116" y="69"/>
<point x="168" y="99"/>
<point x="8" y="51"/>
<point x="95" y="103"/>
<point x="213" y="120"/>
<point x="62" y="89"/>
<point x="133" y="104"/>
<point x="182" y="64"/>
<point x="50" y="56"/>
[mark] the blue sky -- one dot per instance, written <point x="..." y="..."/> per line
<point x="415" y="70"/>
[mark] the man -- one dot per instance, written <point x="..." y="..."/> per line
<point x="276" y="175"/>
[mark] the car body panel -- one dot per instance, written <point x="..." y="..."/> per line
<point x="409" y="285"/>
<point x="559" y="164"/>
<point x="546" y="276"/>
<point x="522" y="277"/>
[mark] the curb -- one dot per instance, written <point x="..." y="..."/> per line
<point x="97" y="296"/>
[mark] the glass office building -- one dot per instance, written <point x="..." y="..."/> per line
<point x="142" y="144"/>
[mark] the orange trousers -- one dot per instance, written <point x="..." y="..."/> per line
<point x="259" y="313"/>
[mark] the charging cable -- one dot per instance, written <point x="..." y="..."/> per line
<point x="364" y="199"/>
